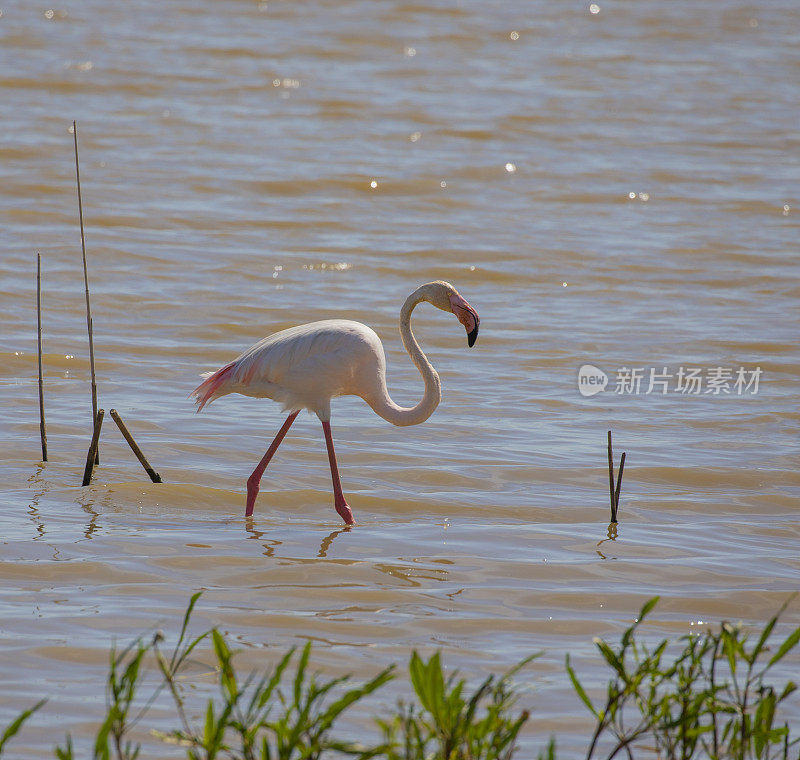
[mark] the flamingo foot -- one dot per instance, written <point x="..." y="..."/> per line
<point x="345" y="512"/>
<point x="252" y="492"/>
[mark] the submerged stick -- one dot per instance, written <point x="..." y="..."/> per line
<point x="42" y="428"/>
<point x="611" y="480"/>
<point x="91" y="455"/>
<point x="154" y="476"/>
<point x="86" y="286"/>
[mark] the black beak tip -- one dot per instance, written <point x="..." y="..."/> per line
<point x="472" y="336"/>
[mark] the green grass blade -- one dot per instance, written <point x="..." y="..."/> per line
<point x="611" y="658"/>
<point x="353" y="695"/>
<point x="210" y="731"/>
<point x="227" y="674"/>
<point x="788" y="644"/>
<point x="511" y="672"/>
<point x="64" y="753"/>
<point x="13" y="728"/>
<point x="173" y="661"/>
<point x="419" y="680"/>
<point x="648" y="608"/>
<point x="579" y="690"/>
<point x="765" y="634"/>
<point x="301" y="671"/>
<point x="275" y="679"/>
<point x="101" y="751"/>
<point x="550" y="752"/>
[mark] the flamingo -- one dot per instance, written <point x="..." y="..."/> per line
<point x="306" y="366"/>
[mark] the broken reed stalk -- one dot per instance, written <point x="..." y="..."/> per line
<point x="619" y="484"/>
<point x="86" y="287"/>
<point x="614" y="489"/>
<point x="91" y="455"/>
<point x="154" y="476"/>
<point x="42" y="428"/>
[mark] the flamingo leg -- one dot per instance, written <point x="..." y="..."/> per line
<point x="339" y="501"/>
<point x="254" y="480"/>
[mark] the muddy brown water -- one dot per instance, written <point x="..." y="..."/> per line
<point x="612" y="185"/>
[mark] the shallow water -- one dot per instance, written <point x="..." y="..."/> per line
<point x="615" y="188"/>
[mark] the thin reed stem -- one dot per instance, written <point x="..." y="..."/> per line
<point x="154" y="476"/>
<point x="91" y="455"/>
<point x="611" y="480"/>
<point x="86" y="285"/>
<point x="42" y="427"/>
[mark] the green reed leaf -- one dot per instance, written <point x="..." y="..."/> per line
<point x="786" y="647"/>
<point x="13" y="728"/>
<point x="579" y="690"/>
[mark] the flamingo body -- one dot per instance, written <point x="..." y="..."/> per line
<point x="306" y="366"/>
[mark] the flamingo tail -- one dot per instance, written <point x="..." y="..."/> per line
<point x="213" y="386"/>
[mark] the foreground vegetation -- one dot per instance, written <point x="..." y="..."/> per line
<point x="705" y="695"/>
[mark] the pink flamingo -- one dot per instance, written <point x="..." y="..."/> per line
<point x="306" y="366"/>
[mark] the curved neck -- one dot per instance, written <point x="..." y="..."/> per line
<point x="383" y="404"/>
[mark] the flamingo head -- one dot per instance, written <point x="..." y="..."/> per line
<point x="445" y="297"/>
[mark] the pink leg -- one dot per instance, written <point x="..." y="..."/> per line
<point x="339" y="501"/>
<point x="254" y="480"/>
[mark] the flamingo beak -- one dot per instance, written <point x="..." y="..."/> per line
<point x="467" y="316"/>
<point x="472" y="335"/>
